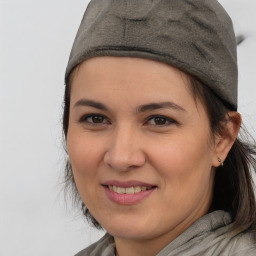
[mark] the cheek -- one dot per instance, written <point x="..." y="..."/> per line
<point x="184" y="164"/>
<point x="85" y="156"/>
<point x="84" y="151"/>
<point x="182" y="152"/>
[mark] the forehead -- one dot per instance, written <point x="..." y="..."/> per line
<point x="123" y="71"/>
<point x="122" y="85"/>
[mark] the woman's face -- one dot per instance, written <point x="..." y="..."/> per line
<point x="140" y="147"/>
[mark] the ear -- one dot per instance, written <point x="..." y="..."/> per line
<point x="225" y="140"/>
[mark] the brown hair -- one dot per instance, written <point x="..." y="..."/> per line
<point x="233" y="188"/>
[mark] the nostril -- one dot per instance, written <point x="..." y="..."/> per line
<point x="124" y="161"/>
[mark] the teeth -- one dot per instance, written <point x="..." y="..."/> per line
<point x="137" y="189"/>
<point x="130" y="190"/>
<point x="120" y="190"/>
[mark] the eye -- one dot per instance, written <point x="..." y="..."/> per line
<point x="160" y="121"/>
<point x="94" y="119"/>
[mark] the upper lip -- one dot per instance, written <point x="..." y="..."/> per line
<point x="127" y="184"/>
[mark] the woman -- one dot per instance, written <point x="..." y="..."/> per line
<point x="151" y="124"/>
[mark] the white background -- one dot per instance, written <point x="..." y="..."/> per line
<point x="35" y="40"/>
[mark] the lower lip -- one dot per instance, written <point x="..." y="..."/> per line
<point x="127" y="199"/>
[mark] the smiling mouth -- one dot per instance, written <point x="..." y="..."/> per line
<point x="129" y="190"/>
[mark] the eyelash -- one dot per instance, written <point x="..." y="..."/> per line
<point x="86" y="117"/>
<point x="167" y="120"/>
<point x="164" y="118"/>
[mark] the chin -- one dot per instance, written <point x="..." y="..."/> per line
<point x="129" y="228"/>
<point x="131" y="234"/>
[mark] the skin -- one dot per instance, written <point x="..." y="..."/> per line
<point x="178" y="154"/>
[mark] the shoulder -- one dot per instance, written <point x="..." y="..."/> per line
<point x="105" y="247"/>
<point x="212" y="235"/>
<point x="243" y="244"/>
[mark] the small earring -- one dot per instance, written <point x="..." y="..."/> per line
<point x="220" y="161"/>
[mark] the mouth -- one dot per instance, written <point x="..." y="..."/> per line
<point x="128" y="193"/>
<point x="129" y="190"/>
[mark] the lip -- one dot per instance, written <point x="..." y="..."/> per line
<point x="127" y="184"/>
<point x="127" y="199"/>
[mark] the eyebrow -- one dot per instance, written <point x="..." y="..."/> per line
<point x="141" y="108"/>
<point x="90" y="103"/>
<point x="154" y="106"/>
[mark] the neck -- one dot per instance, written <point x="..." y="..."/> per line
<point x="147" y="247"/>
<point x="138" y="248"/>
<point x="152" y="246"/>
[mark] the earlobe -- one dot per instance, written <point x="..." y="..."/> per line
<point x="226" y="140"/>
<point x="220" y="161"/>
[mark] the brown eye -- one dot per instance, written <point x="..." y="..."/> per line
<point x="94" y="119"/>
<point x="160" y="121"/>
<point x="97" y="119"/>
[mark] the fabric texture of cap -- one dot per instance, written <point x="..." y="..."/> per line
<point x="195" y="36"/>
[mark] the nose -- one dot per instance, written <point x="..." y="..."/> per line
<point x="125" y="151"/>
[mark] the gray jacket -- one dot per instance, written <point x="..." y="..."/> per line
<point x="209" y="236"/>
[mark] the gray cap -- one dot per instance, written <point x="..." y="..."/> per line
<point x="195" y="36"/>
